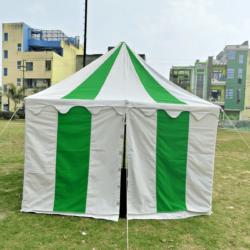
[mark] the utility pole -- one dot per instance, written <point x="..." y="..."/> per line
<point x="85" y="33"/>
<point x="23" y="77"/>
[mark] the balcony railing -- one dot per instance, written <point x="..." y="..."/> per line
<point x="221" y="78"/>
<point x="181" y="82"/>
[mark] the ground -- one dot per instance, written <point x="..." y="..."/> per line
<point x="227" y="228"/>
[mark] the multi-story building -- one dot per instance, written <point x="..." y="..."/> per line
<point x="224" y="80"/>
<point x="36" y="58"/>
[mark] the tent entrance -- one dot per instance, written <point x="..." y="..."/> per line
<point x="123" y="187"/>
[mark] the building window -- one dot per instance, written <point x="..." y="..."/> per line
<point x="217" y="74"/>
<point x="5" y="71"/>
<point x="229" y="93"/>
<point x="231" y="55"/>
<point x="18" y="82"/>
<point x="19" y="47"/>
<point x="200" y="70"/>
<point x="184" y="80"/>
<point x="5" y="88"/>
<point x="175" y="79"/>
<point x="29" y="83"/>
<point x="18" y="64"/>
<point x="238" y="96"/>
<point x="230" y="73"/>
<point x="29" y="66"/>
<point x="239" y="75"/>
<point x="35" y="84"/>
<point x="5" y="54"/>
<point x="48" y="65"/>
<point x="216" y="94"/>
<point x="5" y="36"/>
<point x="241" y="58"/>
<point x="199" y="85"/>
<point x="200" y="81"/>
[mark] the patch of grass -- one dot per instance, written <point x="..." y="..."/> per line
<point x="227" y="228"/>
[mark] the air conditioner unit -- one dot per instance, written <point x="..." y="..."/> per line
<point x="44" y="81"/>
<point x="212" y="99"/>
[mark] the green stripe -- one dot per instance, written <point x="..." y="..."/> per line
<point x="171" y="161"/>
<point x="91" y="87"/>
<point x="72" y="160"/>
<point x="154" y="89"/>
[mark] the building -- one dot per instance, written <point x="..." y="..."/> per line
<point x="224" y="80"/>
<point x="36" y="58"/>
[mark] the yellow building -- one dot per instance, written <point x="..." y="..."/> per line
<point x="36" y="58"/>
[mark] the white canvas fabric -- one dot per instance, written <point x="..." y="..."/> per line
<point x="103" y="196"/>
<point x="122" y="94"/>
<point x="165" y="216"/>
<point x="141" y="155"/>
<point x="123" y="82"/>
<point x="40" y="160"/>
<point x="200" y="163"/>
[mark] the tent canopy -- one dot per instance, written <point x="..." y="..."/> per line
<point x="74" y="142"/>
<point x="120" y="79"/>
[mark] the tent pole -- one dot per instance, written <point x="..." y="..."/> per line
<point x="124" y="147"/>
<point x="123" y="187"/>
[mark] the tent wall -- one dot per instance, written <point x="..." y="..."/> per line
<point x="170" y="162"/>
<point x="40" y="160"/>
<point x="57" y="162"/>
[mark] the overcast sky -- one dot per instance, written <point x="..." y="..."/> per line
<point x="169" y="32"/>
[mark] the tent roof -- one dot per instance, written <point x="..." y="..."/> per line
<point x="119" y="79"/>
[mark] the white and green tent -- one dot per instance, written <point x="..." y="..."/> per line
<point x="74" y="142"/>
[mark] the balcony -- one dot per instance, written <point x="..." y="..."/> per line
<point x="220" y="102"/>
<point x="182" y="82"/>
<point x="219" y="82"/>
<point x="222" y="79"/>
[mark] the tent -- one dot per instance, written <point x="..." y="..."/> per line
<point x="74" y="141"/>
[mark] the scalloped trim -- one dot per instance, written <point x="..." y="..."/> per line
<point x="122" y="110"/>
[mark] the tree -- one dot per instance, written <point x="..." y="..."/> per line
<point x="14" y="93"/>
<point x="39" y="89"/>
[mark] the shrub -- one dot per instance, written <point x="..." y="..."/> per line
<point x="243" y="124"/>
<point x="21" y="114"/>
<point x="7" y="115"/>
<point x="227" y="126"/>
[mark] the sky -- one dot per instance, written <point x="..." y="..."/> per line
<point x="169" y="32"/>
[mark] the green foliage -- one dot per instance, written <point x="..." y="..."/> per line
<point x="7" y="115"/>
<point x="15" y="94"/>
<point x="227" y="126"/>
<point x="243" y="124"/>
<point x="39" y="89"/>
<point x="21" y="114"/>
